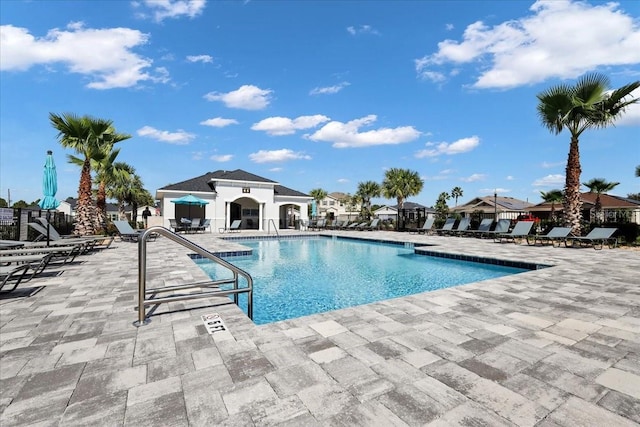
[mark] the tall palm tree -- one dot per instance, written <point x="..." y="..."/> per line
<point x="401" y="184"/>
<point x="599" y="186"/>
<point x="589" y="104"/>
<point x="121" y="186"/>
<point x="638" y="171"/>
<point x="553" y="197"/>
<point x="455" y="193"/>
<point x="366" y="191"/>
<point x="318" y="195"/>
<point x="87" y="136"/>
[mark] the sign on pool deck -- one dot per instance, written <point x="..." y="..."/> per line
<point x="215" y="326"/>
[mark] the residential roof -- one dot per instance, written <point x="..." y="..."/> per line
<point x="201" y="183"/>
<point x="589" y="200"/>
<point x="503" y="204"/>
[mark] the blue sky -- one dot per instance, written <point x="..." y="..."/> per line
<point x="317" y="94"/>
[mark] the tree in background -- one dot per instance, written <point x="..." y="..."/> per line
<point x="121" y="187"/>
<point x="553" y="197"/>
<point x="87" y="136"/>
<point x="318" y="195"/>
<point x="588" y="104"/>
<point x="638" y="171"/>
<point x="441" y="208"/>
<point x="599" y="186"/>
<point x="3" y="203"/>
<point x="456" y="193"/>
<point x="400" y="184"/>
<point x="366" y="191"/>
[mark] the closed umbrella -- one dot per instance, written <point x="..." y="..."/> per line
<point x="49" y="188"/>
<point x="190" y="201"/>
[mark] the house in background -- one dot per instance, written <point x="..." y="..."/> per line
<point x="412" y="212"/>
<point x="614" y="208"/>
<point x="335" y="207"/>
<point x="497" y="207"/>
<point x="259" y="202"/>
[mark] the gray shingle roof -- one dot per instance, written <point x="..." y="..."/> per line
<point x="200" y="183"/>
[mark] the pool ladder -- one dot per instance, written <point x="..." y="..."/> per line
<point x="271" y="221"/>
<point x="147" y="297"/>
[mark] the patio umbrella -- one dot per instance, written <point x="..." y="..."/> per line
<point x="49" y="188"/>
<point x="313" y="209"/>
<point x="190" y="201"/>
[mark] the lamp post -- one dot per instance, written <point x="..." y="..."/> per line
<point x="495" y="205"/>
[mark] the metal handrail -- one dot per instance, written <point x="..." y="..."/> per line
<point x="271" y="221"/>
<point x="143" y="301"/>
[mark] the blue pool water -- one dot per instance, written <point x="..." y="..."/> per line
<point x="298" y="277"/>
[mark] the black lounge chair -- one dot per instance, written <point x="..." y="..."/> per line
<point x="555" y="236"/>
<point x="426" y="227"/>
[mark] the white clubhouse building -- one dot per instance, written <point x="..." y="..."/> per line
<point x="261" y="204"/>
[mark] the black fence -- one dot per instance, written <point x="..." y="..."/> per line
<point x="13" y="223"/>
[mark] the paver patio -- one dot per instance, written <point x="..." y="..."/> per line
<point x="558" y="346"/>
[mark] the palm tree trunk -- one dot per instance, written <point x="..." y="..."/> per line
<point x="101" y="207"/>
<point x="572" y="203"/>
<point x="84" y="210"/>
<point x="598" y="208"/>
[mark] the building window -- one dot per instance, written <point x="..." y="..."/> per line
<point x="331" y="203"/>
<point x="246" y="190"/>
<point x="250" y="212"/>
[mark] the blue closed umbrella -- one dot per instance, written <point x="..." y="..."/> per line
<point x="49" y="188"/>
<point x="313" y="209"/>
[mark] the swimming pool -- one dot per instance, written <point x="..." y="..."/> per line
<point x="299" y="277"/>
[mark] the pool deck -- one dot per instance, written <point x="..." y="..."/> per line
<point x="558" y="346"/>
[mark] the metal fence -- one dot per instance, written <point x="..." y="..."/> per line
<point x="13" y="223"/>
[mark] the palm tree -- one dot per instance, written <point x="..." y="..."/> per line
<point x="589" y="104"/>
<point x="599" y="186"/>
<point x="120" y="188"/>
<point x="638" y="171"/>
<point x="400" y="184"/>
<point x="87" y="136"/>
<point x="455" y="193"/>
<point x="367" y="190"/>
<point x="553" y="197"/>
<point x="318" y="195"/>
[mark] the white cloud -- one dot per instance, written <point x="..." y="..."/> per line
<point x="283" y="155"/>
<point x="509" y="178"/>
<point x="492" y="191"/>
<point x="342" y="180"/>
<point x="474" y="177"/>
<point x="460" y="146"/>
<point x="162" y="9"/>
<point x="555" y="180"/>
<point x="329" y="89"/>
<point x="221" y="157"/>
<point x="179" y="138"/>
<point x="541" y="45"/>
<point x="344" y="135"/>
<point x="449" y="27"/>
<point x="200" y="58"/>
<point x="362" y="29"/>
<point x="549" y="165"/>
<point x="247" y="97"/>
<point x="219" y="122"/>
<point x="275" y="170"/>
<point x="103" y="55"/>
<point x="287" y="126"/>
<point x="631" y="116"/>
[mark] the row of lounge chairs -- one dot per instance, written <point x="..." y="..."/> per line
<point x="345" y="225"/>
<point x="557" y="236"/>
<point x="22" y="261"/>
<point x="195" y="225"/>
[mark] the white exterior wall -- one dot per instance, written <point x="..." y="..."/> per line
<point x="260" y="196"/>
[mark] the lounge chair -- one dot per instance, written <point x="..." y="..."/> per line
<point x="173" y="224"/>
<point x="128" y="234"/>
<point x="502" y="226"/>
<point x="206" y="223"/>
<point x="194" y="226"/>
<point x="448" y="226"/>
<point x="67" y="253"/>
<point x="520" y="231"/>
<point x="484" y="226"/>
<point x="596" y="238"/>
<point x="355" y="225"/>
<point x="555" y="236"/>
<point x="374" y="225"/>
<point x="21" y="268"/>
<point x="426" y="227"/>
<point x="90" y="242"/>
<point x="463" y="227"/>
<point x="234" y="227"/>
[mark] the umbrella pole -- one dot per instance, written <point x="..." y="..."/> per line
<point x="48" y="225"/>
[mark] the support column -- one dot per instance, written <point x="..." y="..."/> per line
<point x="227" y="215"/>
<point x="260" y="216"/>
